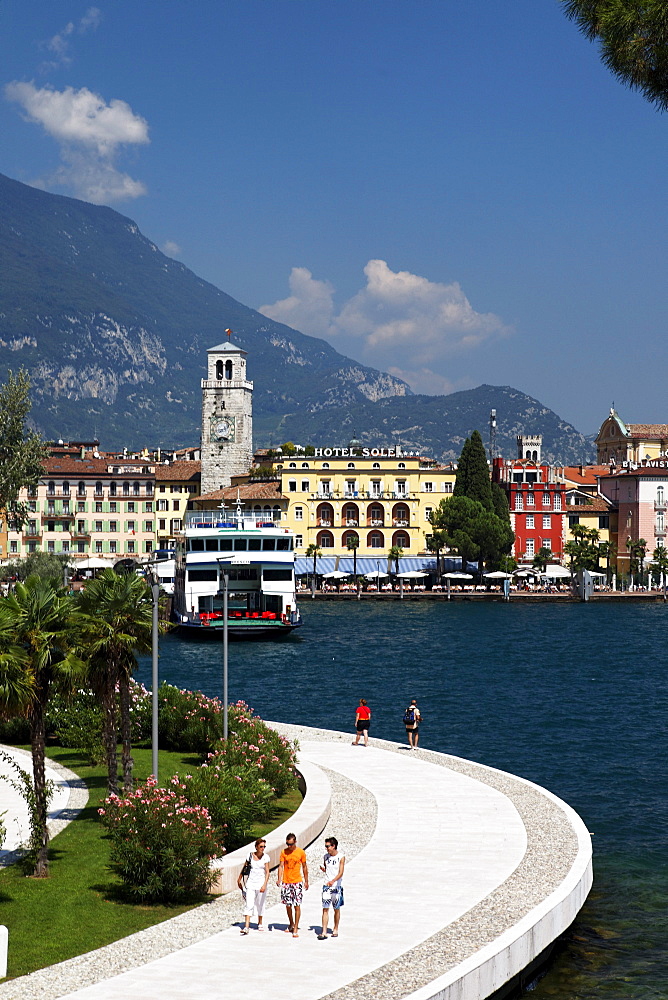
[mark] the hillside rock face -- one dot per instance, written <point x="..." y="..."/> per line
<point x="115" y="334"/>
<point x="439" y="425"/>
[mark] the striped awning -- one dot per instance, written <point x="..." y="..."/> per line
<point x="367" y="564"/>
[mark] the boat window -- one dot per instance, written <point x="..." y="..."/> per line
<point x="277" y="574"/>
<point x="211" y="544"/>
<point x="254" y="544"/>
<point x="196" y="545"/>
<point x="240" y="544"/>
<point x="243" y="572"/>
<point x="226" y="545"/>
<point x="202" y="575"/>
<point x="268" y="544"/>
<point x="283" y="544"/>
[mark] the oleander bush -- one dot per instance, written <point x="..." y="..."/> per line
<point x="162" y="845"/>
<point x="234" y="799"/>
<point x="188" y="720"/>
<point x="253" y="745"/>
<point x="76" y="723"/>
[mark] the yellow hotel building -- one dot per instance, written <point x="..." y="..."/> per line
<point x="380" y="495"/>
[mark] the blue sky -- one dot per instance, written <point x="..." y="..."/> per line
<point x="456" y="191"/>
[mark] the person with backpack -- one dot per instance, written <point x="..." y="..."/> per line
<point x="412" y="718"/>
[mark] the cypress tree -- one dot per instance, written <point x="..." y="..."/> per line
<point x="473" y="480"/>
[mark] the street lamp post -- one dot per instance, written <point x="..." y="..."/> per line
<point x="226" y="584"/>
<point x="155" y="593"/>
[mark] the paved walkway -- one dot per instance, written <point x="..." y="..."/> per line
<point x="443" y="842"/>
<point x="12" y="803"/>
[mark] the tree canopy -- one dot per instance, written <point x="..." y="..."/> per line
<point x="633" y="41"/>
<point x="476" y="521"/>
<point x="473" y="531"/>
<point x="22" y="452"/>
<point x="473" y="479"/>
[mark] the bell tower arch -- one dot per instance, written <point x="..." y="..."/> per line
<point x="227" y="417"/>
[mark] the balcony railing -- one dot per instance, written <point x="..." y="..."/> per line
<point x="659" y="505"/>
<point x="374" y="522"/>
<point x="659" y="530"/>
<point x="324" y="522"/>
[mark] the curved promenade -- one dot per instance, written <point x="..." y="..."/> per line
<point x="69" y="796"/>
<point x="468" y="874"/>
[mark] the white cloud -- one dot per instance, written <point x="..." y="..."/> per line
<point x="309" y="308"/>
<point x="427" y="381"/>
<point x="90" y="133"/>
<point x="398" y="321"/>
<point x="171" y="248"/>
<point x="59" y="44"/>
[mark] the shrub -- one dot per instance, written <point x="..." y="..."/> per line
<point x="234" y="800"/>
<point x="77" y="723"/>
<point x="252" y="744"/>
<point x="188" y="720"/>
<point x="15" y="731"/>
<point x="161" y="844"/>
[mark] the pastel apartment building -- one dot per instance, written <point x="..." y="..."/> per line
<point x="89" y="503"/>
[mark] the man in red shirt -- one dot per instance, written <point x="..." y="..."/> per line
<point x="291" y="882"/>
<point x="362" y="722"/>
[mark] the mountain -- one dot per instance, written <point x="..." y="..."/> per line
<point x="115" y="334"/>
<point x="439" y="425"/>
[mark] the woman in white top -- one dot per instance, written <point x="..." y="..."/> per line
<point x="255" y="890"/>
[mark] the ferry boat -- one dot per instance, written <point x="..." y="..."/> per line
<point x="258" y="559"/>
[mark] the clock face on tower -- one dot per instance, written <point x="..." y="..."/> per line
<point x="222" y="429"/>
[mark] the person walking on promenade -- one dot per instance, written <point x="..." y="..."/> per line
<point x="362" y="722"/>
<point x="412" y="719"/>
<point x="255" y="890"/>
<point x="332" y="890"/>
<point x="291" y="882"/>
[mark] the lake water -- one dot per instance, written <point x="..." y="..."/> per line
<point x="572" y="696"/>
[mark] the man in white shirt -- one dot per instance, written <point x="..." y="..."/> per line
<point x="332" y="890"/>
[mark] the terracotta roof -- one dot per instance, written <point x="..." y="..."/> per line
<point x="247" y="491"/>
<point x="648" y="430"/>
<point x="178" y="470"/>
<point x="65" y="465"/>
<point x="596" y="505"/>
<point x="642" y="470"/>
<point x="581" y="474"/>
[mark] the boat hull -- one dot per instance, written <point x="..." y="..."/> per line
<point x="253" y="630"/>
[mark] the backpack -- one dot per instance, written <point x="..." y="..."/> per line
<point x="409" y="716"/>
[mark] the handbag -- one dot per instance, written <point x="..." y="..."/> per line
<point x="246" y="870"/>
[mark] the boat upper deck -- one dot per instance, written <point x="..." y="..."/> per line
<point x="213" y="520"/>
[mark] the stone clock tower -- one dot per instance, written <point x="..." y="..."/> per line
<point x="227" y="417"/>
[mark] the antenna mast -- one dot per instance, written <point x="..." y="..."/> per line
<point x="492" y="435"/>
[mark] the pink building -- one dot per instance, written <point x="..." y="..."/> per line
<point x="639" y="492"/>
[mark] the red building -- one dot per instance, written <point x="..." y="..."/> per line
<point x="537" y="504"/>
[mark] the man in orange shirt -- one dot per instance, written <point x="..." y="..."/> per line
<point x="292" y="863"/>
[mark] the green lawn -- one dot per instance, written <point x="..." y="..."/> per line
<point x="79" y="908"/>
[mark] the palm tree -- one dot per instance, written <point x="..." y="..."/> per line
<point x="117" y="610"/>
<point x="542" y="558"/>
<point x="396" y="552"/>
<point x="608" y="551"/>
<point x="37" y="623"/>
<point x="637" y="551"/>
<point x="660" y="565"/>
<point x="314" y="551"/>
<point x="436" y="542"/>
<point x="353" y="543"/>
